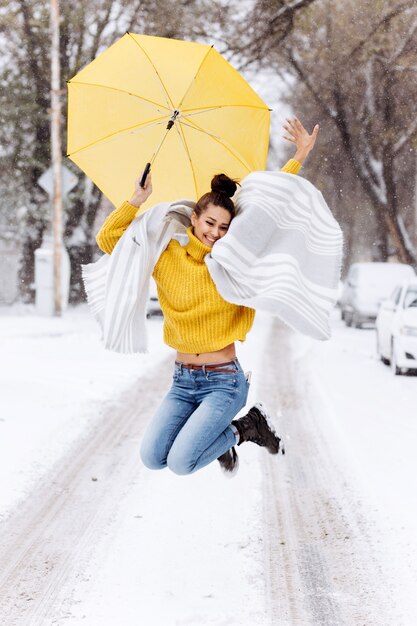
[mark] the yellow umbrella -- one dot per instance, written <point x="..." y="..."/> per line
<point x="178" y="104"/>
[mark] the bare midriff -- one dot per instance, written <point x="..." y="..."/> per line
<point x="225" y="354"/>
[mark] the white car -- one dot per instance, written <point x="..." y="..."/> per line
<point x="396" y="328"/>
<point x="366" y="286"/>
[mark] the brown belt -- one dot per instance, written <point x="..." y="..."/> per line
<point x="215" y="367"/>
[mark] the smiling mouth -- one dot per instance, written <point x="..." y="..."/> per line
<point x="210" y="240"/>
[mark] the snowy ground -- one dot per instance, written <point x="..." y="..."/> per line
<point x="141" y="547"/>
<point x="370" y="419"/>
<point x="55" y="380"/>
<point x="172" y="551"/>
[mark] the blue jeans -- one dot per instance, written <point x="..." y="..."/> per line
<point x="191" y="428"/>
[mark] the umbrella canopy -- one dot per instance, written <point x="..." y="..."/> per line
<point x="119" y="107"/>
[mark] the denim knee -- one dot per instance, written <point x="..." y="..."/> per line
<point x="150" y="459"/>
<point x="180" y="464"/>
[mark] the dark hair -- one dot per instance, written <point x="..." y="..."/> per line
<point x="222" y="190"/>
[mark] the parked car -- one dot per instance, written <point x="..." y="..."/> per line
<point x="340" y="287"/>
<point x="366" y="285"/>
<point x="396" y="328"/>
<point x="153" y="307"/>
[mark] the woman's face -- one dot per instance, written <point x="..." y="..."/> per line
<point x="211" y="225"/>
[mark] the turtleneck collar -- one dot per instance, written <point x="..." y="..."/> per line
<point x="195" y="247"/>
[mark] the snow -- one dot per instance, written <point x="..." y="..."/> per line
<point x="407" y="240"/>
<point x="55" y="377"/>
<point x="180" y="553"/>
<point x="369" y="91"/>
<point x="405" y="137"/>
<point x="189" y="550"/>
<point x="378" y="175"/>
<point x="369" y="417"/>
<point x="77" y="238"/>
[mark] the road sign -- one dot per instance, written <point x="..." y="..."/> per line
<point x="69" y="181"/>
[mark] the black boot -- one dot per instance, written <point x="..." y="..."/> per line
<point x="254" y="427"/>
<point x="229" y="462"/>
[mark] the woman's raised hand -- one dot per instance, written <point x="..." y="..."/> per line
<point x="141" y="194"/>
<point x="300" y="136"/>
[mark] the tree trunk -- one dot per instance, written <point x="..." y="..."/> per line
<point x="79" y="237"/>
<point x="380" y="251"/>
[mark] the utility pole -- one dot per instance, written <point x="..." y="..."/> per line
<point x="56" y="154"/>
<point x="415" y="204"/>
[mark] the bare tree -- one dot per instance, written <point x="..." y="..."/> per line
<point x="355" y="66"/>
<point x="248" y="36"/>
<point x="86" y="29"/>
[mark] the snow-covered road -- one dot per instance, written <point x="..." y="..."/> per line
<point x="339" y="555"/>
<point x="368" y="419"/>
<point x="324" y="535"/>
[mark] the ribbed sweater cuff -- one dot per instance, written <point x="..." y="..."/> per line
<point x="128" y="212"/>
<point x="114" y="226"/>
<point x="292" y="166"/>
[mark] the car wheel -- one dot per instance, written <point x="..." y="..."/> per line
<point x="394" y="367"/>
<point x="348" y="318"/>
<point x="355" y="321"/>
<point x="384" y="360"/>
<point x="378" y="351"/>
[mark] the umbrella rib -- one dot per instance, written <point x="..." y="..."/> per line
<point x="239" y="158"/>
<point x="152" y="159"/>
<point x="195" y="127"/>
<point x="195" y="76"/>
<point x="167" y="97"/>
<point x="129" y="93"/>
<point x="184" y="142"/>
<point x="119" y="132"/>
<point x="199" y="110"/>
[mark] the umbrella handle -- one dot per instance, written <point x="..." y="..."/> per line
<point x="145" y="174"/>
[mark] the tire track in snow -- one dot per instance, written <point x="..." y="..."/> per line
<point x="320" y="568"/>
<point x="51" y="533"/>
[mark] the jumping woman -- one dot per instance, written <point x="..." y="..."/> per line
<point x="195" y="424"/>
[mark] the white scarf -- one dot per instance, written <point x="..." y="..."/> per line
<point x="282" y="254"/>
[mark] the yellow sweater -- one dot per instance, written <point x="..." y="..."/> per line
<point x="196" y="318"/>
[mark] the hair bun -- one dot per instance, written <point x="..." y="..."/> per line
<point x="223" y="184"/>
